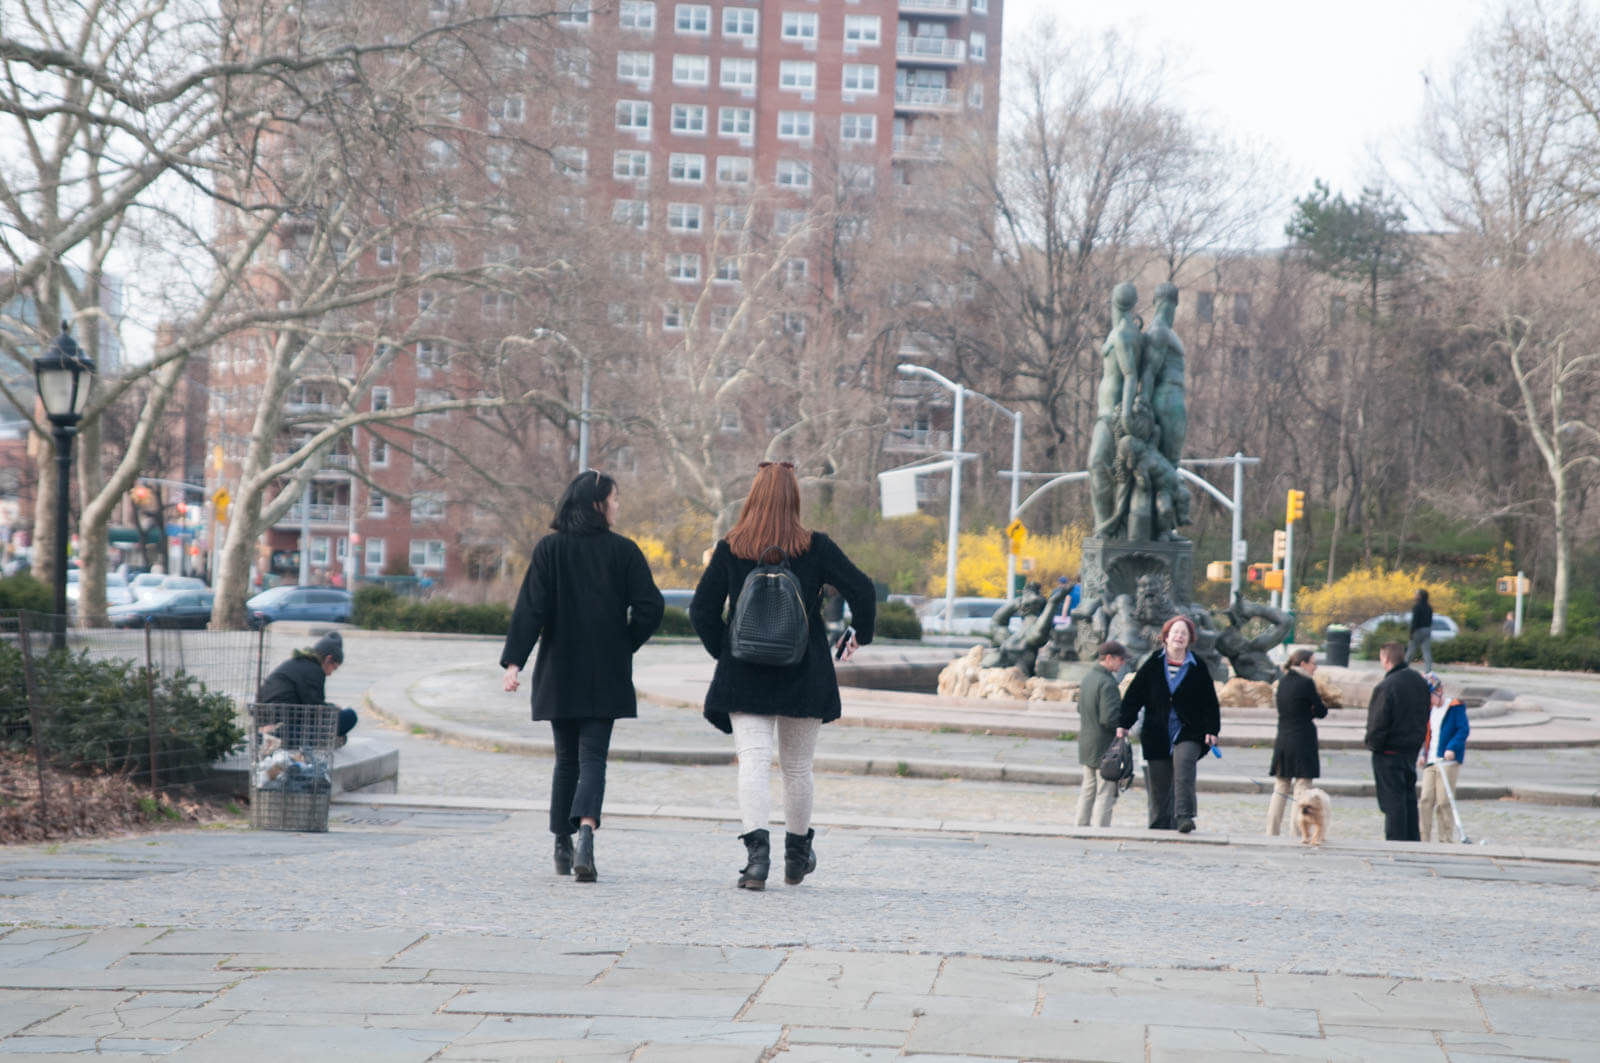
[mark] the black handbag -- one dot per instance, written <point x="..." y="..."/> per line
<point x="1117" y="765"/>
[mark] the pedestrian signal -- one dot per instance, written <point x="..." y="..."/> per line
<point x="1272" y="579"/>
<point x="1280" y="545"/>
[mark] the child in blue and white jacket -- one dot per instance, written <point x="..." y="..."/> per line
<point x="1440" y="759"/>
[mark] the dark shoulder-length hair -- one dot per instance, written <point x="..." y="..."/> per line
<point x="771" y="515"/>
<point x="582" y="506"/>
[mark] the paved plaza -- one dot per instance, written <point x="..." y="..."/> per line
<point x="949" y="919"/>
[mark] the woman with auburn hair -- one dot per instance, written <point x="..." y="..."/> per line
<point x="763" y="705"/>
<point x="1181" y="721"/>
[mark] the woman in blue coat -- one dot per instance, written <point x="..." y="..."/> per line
<point x="589" y="603"/>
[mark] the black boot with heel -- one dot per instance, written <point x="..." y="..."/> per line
<point x="583" y="860"/>
<point x="799" y="859"/>
<point x="758" y="852"/>
<point x="563" y="854"/>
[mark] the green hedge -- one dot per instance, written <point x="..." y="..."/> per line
<point x="1567" y="653"/>
<point x="1373" y="642"/>
<point x="383" y="609"/>
<point x="25" y="592"/>
<point x="897" y="620"/>
<point x="97" y="714"/>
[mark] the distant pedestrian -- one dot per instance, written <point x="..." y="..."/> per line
<point x="1443" y="752"/>
<point x="1099" y="705"/>
<point x="1181" y="721"/>
<point x="1421" y="632"/>
<point x="1397" y="723"/>
<point x="1510" y="626"/>
<point x="589" y="603"/>
<point x="1296" y="760"/>
<point x="764" y="706"/>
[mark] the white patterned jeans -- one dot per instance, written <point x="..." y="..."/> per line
<point x="796" y="740"/>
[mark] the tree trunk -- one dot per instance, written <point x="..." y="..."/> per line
<point x="1558" y="608"/>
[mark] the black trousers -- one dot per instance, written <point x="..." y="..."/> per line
<point x="578" y="787"/>
<point x="1169" y="786"/>
<point x="1396" y="777"/>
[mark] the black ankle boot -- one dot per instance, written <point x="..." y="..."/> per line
<point x="583" y="859"/>
<point x="799" y="859"/>
<point x="758" y="850"/>
<point x="563" y="854"/>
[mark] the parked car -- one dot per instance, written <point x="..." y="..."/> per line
<point x="145" y="583"/>
<point x="190" y="609"/>
<point x="678" y="598"/>
<point x="182" y="583"/>
<point x="329" y="604"/>
<point x="972" y="616"/>
<point x="1443" y="627"/>
<point x="117" y="592"/>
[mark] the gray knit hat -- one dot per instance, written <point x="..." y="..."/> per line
<point x="330" y="645"/>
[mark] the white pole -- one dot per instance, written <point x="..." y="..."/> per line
<point x="1238" y="525"/>
<point x="1288" y="567"/>
<point x="955" y="515"/>
<point x="1516" y="626"/>
<point x="305" y="534"/>
<point x="352" y="563"/>
<point x="1016" y="484"/>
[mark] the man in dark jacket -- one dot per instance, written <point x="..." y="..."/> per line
<point x="299" y="682"/>
<point x="1099" y="705"/>
<point x="1421" y="631"/>
<point x="1397" y="723"/>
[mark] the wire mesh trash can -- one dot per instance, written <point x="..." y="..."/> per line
<point x="291" y="766"/>
<point x="1336" y="651"/>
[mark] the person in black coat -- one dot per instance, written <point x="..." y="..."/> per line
<point x="589" y="601"/>
<point x="1295" y="757"/>
<point x="296" y="691"/>
<point x="1181" y="719"/>
<point x="763" y="704"/>
<point x="1397" y="725"/>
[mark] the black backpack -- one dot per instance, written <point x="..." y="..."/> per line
<point x="769" y="624"/>
<point x="1117" y="765"/>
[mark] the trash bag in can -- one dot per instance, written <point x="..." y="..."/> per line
<point x="1336" y="650"/>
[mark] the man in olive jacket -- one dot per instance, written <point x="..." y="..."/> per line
<point x="1099" y="705"/>
<point x="1397" y="723"/>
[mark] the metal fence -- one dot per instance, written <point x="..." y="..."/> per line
<point x="153" y="706"/>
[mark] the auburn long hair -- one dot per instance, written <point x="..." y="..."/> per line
<point x="770" y="515"/>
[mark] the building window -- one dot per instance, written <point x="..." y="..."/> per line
<point x="628" y="263"/>
<point x="380" y="399"/>
<point x="857" y="177"/>
<point x="630" y="165"/>
<point x="637" y="67"/>
<point x="792" y="323"/>
<point x="739" y="21"/>
<point x="980" y="7"/>
<point x="727" y="269"/>
<point x="863" y="29"/>
<point x="1205" y="304"/>
<point x="637" y="15"/>
<point x="441" y="155"/>
<point x="685" y="217"/>
<point x="975" y="96"/>
<point x="427" y="553"/>
<point x="794" y="125"/>
<point x="510" y="110"/>
<point x="800" y="26"/>
<point x="374" y="556"/>
<point x="686" y="168"/>
<point x="1336" y="309"/>
<point x="794" y="270"/>
<point x="730" y="422"/>
<point x="633" y="114"/>
<point x="733" y="169"/>
<point x="793" y="174"/>
<point x="858" y="128"/>
<point x="731" y="217"/>
<point x="738" y="74"/>
<point x="797" y="75"/>
<point x="499" y="306"/>
<point x="694" y="19"/>
<point x="1241" y="309"/>
<point x="683" y="266"/>
<point x="319" y="550"/>
<point x="978" y="47"/>
<point x="860" y="77"/>
<point x="721" y="317"/>
<point x="573" y="13"/>
<point x="428" y="302"/>
<point x="378" y="505"/>
<point x="569" y="161"/>
<point x="736" y="121"/>
<point x="427" y="505"/>
<point x="672" y="317"/>
<point x="385" y="253"/>
<point x="634" y="213"/>
<point x="787" y="220"/>
<point x="691" y="70"/>
<point x="688" y="118"/>
<point x="380" y="459"/>
<point x="573" y="63"/>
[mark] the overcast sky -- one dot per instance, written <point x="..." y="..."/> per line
<point x="1323" y="84"/>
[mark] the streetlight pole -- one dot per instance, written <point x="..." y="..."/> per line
<point x="64" y="376"/>
<point x="953" y="532"/>
<point x="1016" y="479"/>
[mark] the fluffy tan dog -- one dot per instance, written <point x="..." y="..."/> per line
<point x="1312" y="810"/>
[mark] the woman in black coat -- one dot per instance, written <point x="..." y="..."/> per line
<point x="1181" y="721"/>
<point x="1295" y="759"/>
<point x="765" y="704"/>
<point x="589" y="602"/>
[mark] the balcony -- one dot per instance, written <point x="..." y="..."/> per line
<point x="920" y="98"/>
<point x="330" y="462"/>
<point x="319" y="513"/>
<point x="953" y="8"/>
<point x="918" y="145"/>
<point x="930" y="49"/>
<point x="916" y="440"/>
<point x="309" y="409"/>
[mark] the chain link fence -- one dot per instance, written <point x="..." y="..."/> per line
<point x="152" y="707"/>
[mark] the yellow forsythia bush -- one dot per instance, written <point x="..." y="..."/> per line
<point x="1367" y="592"/>
<point x="981" y="561"/>
<point x="667" y="569"/>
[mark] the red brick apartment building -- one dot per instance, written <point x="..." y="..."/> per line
<point x="661" y="116"/>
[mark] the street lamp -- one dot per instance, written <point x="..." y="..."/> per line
<point x="953" y="531"/>
<point x="65" y="376"/>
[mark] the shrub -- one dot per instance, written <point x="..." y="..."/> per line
<point x="1567" y="653"/>
<point x="897" y="620"/>
<point x="1367" y="592"/>
<point x="981" y="565"/>
<point x="25" y="592"/>
<point x="98" y="714"/>
<point x="382" y="609"/>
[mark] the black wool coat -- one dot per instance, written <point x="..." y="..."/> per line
<point x="1294" y="753"/>
<point x="589" y="602"/>
<point x="807" y="689"/>
<point x="1397" y="714"/>
<point x="1195" y="699"/>
<point x="297" y="681"/>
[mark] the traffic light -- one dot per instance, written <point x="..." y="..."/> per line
<point x="1296" y="507"/>
<point x="1272" y="579"/>
<point x="142" y="496"/>
<point x="1280" y="545"/>
<point x="1255" y="573"/>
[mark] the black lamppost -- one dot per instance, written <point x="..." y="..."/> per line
<point x="65" y="375"/>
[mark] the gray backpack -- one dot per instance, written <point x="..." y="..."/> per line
<point x="769" y="624"/>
